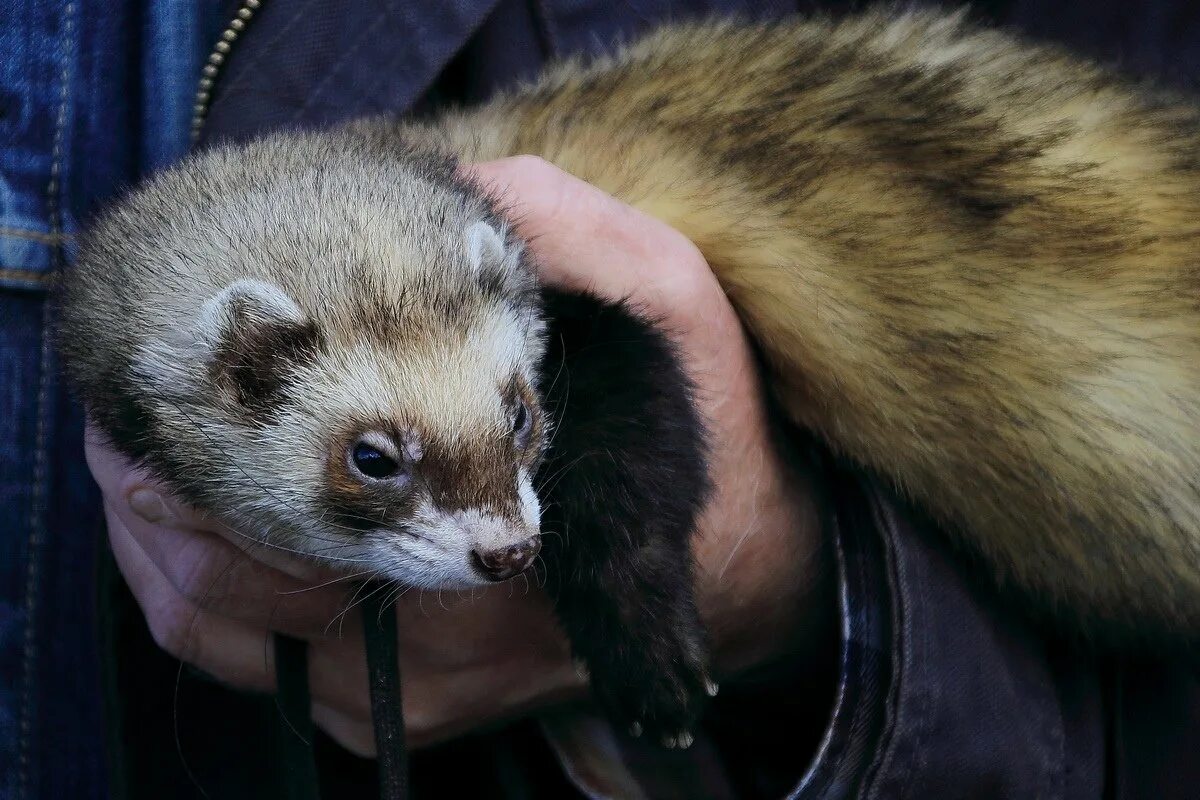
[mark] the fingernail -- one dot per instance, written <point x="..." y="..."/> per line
<point x="149" y="505"/>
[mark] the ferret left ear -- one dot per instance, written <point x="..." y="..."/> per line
<point x="485" y="247"/>
<point x="256" y="334"/>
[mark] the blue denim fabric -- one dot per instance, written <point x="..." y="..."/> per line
<point x="92" y="94"/>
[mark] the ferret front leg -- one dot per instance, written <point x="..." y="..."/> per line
<point x="631" y="620"/>
<point x="625" y="481"/>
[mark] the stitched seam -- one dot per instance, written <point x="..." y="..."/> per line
<point x="37" y="520"/>
<point x="921" y="721"/>
<point x="33" y="236"/>
<point x="8" y="273"/>
<point x="36" y="530"/>
<point x="905" y="667"/>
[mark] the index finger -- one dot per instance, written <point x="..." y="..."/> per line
<point x="147" y="508"/>
<point x="587" y="240"/>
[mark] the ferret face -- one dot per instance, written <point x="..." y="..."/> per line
<point x="397" y="438"/>
<point x="429" y="449"/>
<point x="346" y="359"/>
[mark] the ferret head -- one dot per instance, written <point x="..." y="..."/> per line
<point x="336" y="353"/>
<point x="403" y="437"/>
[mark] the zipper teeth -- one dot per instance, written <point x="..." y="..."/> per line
<point x="216" y="58"/>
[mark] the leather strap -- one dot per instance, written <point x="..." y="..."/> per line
<point x="297" y="758"/>
<point x="383" y="668"/>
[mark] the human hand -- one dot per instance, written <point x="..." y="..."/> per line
<point x="211" y="597"/>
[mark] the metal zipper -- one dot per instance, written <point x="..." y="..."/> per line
<point x="216" y="58"/>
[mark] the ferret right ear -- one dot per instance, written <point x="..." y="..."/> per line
<point x="256" y="335"/>
<point x="487" y="251"/>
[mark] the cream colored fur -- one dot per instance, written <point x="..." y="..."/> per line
<point x="972" y="264"/>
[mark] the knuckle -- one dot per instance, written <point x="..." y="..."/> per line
<point x="360" y="740"/>
<point x="170" y="624"/>
<point x="693" y="280"/>
<point x="196" y="576"/>
<point x="357" y="705"/>
<point x="353" y="734"/>
<point x="551" y="184"/>
<point x="689" y="282"/>
<point x="678" y="253"/>
<point x="535" y="166"/>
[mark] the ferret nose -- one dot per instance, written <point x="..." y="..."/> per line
<point x="500" y="565"/>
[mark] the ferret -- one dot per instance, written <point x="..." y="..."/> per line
<point x="348" y="356"/>
<point x="971" y="264"/>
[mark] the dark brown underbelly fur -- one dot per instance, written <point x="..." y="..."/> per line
<point x="622" y="487"/>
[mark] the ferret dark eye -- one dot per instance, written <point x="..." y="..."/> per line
<point x="522" y="423"/>
<point x="372" y="463"/>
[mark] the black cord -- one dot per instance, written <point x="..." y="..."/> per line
<point x="298" y="766"/>
<point x="383" y="669"/>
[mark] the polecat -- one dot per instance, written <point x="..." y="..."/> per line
<point x="971" y="264"/>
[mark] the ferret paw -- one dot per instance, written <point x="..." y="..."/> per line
<point x="662" y="700"/>
<point x="683" y="740"/>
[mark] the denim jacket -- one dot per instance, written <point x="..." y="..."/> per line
<point x="91" y="95"/>
<point x="941" y="691"/>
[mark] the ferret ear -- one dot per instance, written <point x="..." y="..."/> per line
<point x="256" y="335"/>
<point x="486" y="249"/>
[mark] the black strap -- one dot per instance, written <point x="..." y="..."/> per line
<point x="296" y="758"/>
<point x="298" y="766"/>
<point x="383" y="668"/>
